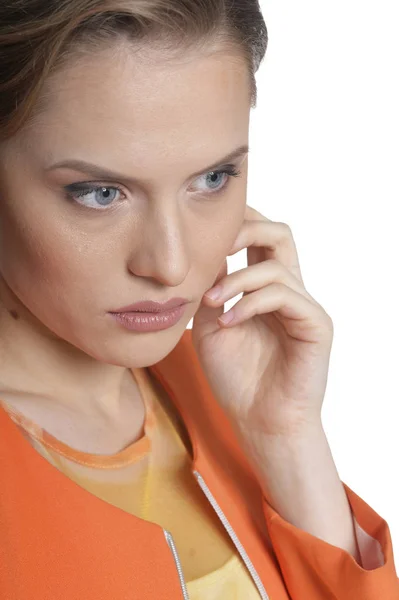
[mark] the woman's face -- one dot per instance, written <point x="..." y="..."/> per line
<point x="68" y="259"/>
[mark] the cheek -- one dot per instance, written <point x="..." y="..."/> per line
<point x="44" y="265"/>
<point x="214" y="242"/>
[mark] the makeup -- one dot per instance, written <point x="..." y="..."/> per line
<point x="150" y="321"/>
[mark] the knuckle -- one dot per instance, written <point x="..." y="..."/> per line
<point x="280" y="288"/>
<point x="285" y="229"/>
<point x="328" y="322"/>
<point x="273" y="263"/>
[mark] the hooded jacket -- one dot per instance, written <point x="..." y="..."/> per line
<point x="59" y="542"/>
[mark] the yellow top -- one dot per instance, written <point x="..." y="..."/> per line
<point x="152" y="479"/>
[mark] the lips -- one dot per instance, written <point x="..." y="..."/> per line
<point x="150" y="306"/>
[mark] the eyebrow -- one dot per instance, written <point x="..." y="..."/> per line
<point x="102" y="173"/>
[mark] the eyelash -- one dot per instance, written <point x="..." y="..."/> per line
<point x="78" y="190"/>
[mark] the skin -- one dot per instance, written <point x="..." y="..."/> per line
<point x="64" y="361"/>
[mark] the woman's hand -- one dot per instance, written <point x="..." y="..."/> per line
<point x="268" y="367"/>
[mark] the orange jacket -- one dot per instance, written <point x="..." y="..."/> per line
<point x="60" y="542"/>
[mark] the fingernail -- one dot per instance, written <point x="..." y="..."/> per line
<point x="227" y="317"/>
<point x="214" y="293"/>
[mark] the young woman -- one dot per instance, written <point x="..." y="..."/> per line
<point x="140" y="459"/>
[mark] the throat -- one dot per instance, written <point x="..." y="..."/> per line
<point x="100" y="434"/>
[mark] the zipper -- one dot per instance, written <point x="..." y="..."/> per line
<point x="233" y="536"/>
<point x="172" y="546"/>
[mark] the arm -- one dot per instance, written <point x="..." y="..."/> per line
<point x="299" y="479"/>
<point x="318" y="526"/>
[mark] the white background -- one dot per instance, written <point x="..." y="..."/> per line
<point x="323" y="158"/>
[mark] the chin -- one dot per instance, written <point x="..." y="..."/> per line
<point x="140" y="351"/>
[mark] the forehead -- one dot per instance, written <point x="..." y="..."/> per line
<point x="134" y="103"/>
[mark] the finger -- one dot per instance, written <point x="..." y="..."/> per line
<point x="265" y="239"/>
<point x="303" y="320"/>
<point x="250" y="279"/>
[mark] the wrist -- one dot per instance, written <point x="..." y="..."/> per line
<point x="289" y="437"/>
<point x="278" y="451"/>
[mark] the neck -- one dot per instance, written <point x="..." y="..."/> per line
<point x="35" y="362"/>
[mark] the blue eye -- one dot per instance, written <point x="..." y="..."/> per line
<point x="228" y="170"/>
<point x="100" y="197"/>
<point x="94" y="196"/>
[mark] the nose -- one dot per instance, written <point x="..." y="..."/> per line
<point x="161" y="251"/>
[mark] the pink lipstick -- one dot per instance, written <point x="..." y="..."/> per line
<point x="150" y="315"/>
